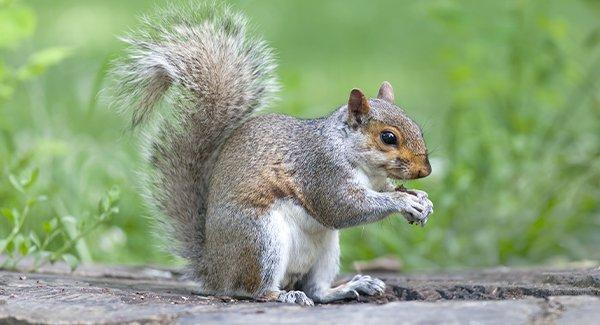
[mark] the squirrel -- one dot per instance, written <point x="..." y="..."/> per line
<point x="255" y="202"/>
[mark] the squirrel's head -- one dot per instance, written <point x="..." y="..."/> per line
<point x="389" y="141"/>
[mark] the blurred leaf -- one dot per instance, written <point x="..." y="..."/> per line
<point x="16" y="183"/>
<point x="30" y="250"/>
<point x="16" y="24"/>
<point x="8" y="214"/>
<point x="31" y="178"/>
<point x="114" y="194"/>
<point x="16" y="217"/>
<point x="23" y="244"/>
<point x="103" y="204"/>
<point x="35" y="239"/>
<point x="71" y="260"/>
<point x="10" y="247"/>
<point x="31" y="201"/>
<point x="50" y="225"/>
<point x="68" y="220"/>
<point x="42" y="60"/>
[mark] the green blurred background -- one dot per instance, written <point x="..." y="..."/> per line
<point x="506" y="92"/>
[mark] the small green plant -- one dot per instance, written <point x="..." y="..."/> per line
<point x="17" y="24"/>
<point x="61" y="233"/>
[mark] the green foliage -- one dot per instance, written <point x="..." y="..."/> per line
<point x="520" y="169"/>
<point x="17" y="23"/>
<point x="40" y="61"/>
<point x="507" y="92"/>
<point x="61" y="234"/>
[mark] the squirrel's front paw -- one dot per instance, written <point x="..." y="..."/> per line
<point x="415" y="206"/>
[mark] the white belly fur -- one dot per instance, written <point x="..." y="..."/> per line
<point x="302" y="239"/>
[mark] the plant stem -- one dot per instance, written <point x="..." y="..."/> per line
<point x="17" y="227"/>
<point x="70" y="243"/>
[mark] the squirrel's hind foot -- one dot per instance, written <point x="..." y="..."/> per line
<point x="366" y="285"/>
<point x="359" y="285"/>
<point x="288" y="297"/>
<point x="295" y="297"/>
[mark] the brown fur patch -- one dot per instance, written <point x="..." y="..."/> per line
<point x="249" y="277"/>
<point x="275" y="181"/>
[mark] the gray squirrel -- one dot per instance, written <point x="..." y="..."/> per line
<point x="255" y="202"/>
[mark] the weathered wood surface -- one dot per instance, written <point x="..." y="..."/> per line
<point x="96" y="294"/>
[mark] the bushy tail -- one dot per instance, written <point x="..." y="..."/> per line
<point x="216" y="76"/>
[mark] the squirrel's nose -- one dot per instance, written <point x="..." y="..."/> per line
<point x="425" y="170"/>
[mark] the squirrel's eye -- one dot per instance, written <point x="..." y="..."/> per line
<point x="389" y="138"/>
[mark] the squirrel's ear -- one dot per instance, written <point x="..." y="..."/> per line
<point x="358" y="106"/>
<point x="386" y="92"/>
